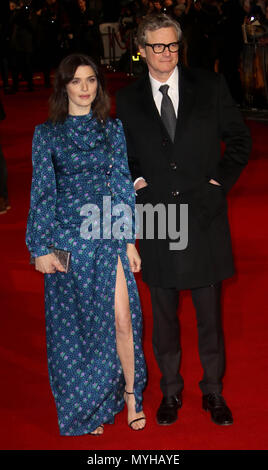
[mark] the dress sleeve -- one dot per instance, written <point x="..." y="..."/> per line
<point x="121" y="180"/>
<point x="40" y="224"/>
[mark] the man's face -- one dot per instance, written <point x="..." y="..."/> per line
<point x="161" y="65"/>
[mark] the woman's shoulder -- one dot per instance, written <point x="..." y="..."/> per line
<point x="46" y="129"/>
<point x="114" y="125"/>
<point x="44" y="126"/>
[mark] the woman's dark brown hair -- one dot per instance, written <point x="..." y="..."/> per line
<point x="58" y="102"/>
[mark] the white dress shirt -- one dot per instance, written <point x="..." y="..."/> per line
<point x="173" y="91"/>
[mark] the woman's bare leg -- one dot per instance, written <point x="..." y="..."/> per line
<point x="125" y="345"/>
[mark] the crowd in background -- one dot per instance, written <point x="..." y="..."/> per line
<point x="36" y="34"/>
<point x="227" y="36"/>
<point x="214" y="37"/>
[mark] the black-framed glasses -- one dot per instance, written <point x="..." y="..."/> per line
<point x="159" y="48"/>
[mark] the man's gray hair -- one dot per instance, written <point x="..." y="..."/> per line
<point x="154" y="22"/>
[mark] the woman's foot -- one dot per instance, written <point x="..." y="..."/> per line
<point x="98" y="431"/>
<point x="136" y="421"/>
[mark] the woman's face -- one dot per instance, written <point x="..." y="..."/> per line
<point x="82" y="90"/>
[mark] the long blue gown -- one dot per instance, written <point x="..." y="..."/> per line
<point x="74" y="164"/>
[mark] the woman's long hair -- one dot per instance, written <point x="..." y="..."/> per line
<point x="58" y="102"/>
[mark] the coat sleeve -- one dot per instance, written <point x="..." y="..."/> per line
<point x="133" y="161"/>
<point x="121" y="181"/>
<point x="236" y="136"/>
<point x="40" y="224"/>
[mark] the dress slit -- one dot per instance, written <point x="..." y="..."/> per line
<point x="127" y="274"/>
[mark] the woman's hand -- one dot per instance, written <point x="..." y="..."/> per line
<point x="133" y="258"/>
<point x="48" y="264"/>
<point x="140" y="184"/>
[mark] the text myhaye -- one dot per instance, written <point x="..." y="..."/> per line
<point x="140" y="459"/>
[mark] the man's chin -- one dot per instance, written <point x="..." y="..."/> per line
<point x="166" y="69"/>
<point x="167" y="66"/>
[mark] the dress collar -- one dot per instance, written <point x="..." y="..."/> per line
<point x="85" y="131"/>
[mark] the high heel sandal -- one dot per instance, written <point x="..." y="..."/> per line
<point x="136" y="419"/>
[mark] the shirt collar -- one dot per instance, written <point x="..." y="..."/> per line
<point x="172" y="82"/>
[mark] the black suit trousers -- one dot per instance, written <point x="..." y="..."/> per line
<point x="166" y="337"/>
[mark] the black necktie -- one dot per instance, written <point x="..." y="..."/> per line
<point x="168" y="115"/>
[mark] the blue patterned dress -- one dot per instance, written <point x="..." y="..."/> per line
<point x="77" y="163"/>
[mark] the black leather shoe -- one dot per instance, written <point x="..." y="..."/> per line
<point x="167" y="412"/>
<point x="220" y="413"/>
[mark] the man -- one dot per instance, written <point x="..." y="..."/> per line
<point x="174" y="139"/>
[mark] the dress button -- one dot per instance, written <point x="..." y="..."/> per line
<point x="173" y="165"/>
<point x="175" y="193"/>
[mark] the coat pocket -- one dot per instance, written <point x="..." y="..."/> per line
<point x="212" y="203"/>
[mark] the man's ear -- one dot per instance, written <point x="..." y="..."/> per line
<point x="142" y="52"/>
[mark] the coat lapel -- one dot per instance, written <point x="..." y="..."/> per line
<point x="187" y="99"/>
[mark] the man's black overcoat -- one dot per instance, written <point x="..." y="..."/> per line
<point x="179" y="173"/>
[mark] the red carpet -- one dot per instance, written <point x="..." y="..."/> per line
<point x="28" y="415"/>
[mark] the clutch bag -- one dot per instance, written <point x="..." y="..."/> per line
<point x="63" y="256"/>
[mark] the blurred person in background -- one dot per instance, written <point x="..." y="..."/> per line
<point x="21" y="45"/>
<point x="87" y="37"/>
<point x="4" y="202"/>
<point x="4" y="43"/>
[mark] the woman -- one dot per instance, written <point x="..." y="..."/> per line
<point x="93" y="317"/>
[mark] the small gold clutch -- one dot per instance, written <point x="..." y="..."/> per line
<point x="63" y="256"/>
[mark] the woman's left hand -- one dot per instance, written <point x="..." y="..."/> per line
<point x="133" y="258"/>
